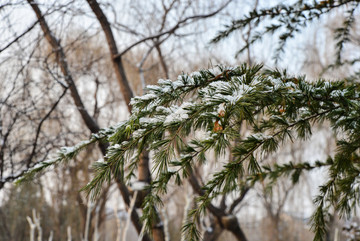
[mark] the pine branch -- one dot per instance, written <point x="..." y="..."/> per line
<point x="213" y="104"/>
<point x="287" y="20"/>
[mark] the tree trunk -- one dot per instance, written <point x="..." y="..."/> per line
<point x="162" y="61"/>
<point x="213" y="232"/>
<point x="117" y="62"/>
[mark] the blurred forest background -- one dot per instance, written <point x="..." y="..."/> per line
<point x="70" y="67"/>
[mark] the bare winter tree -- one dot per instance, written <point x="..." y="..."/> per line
<point x="49" y="73"/>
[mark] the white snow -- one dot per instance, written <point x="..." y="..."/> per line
<point x="148" y="121"/>
<point x="179" y="113"/>
<point x="182" y="156"/>
<point x="138" y="186"/>
<point x="261" y="136"/>
<point x="304" y="111"/>
<point x="116" y="146"/>
<point x="148" y="96"/>
<point x="337" y="93"/>
<point x="277" y="83"/>
<point x="216" y="71"/>
<point x="164" y="82"/>
<point x="163" y="109"/>
<point x="220" y="84"/>
<point x="195" y="74"/>
<point x="137" y="99"/>
<point x="101" y="160"/>
<point x="138" y="133"/>
<point x="177" y="84"/>
<point x="38" y="165"/>
<point x="209" y="229"/>
<point x="215" y="91"/>
<point x="44" y="163"/>
<point x="67" y="149"/>
<point x="221" y="108"/>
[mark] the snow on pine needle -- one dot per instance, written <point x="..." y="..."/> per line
<point x="169" y="118"/>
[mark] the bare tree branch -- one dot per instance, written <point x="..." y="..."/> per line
<point x="239" y="199"/>
<point x="28" y="161"/>
<point x="117" y="62"/>
<point x="171" y="30"/>
<point x="20" y="36"/>
<point x="61" y="59"/>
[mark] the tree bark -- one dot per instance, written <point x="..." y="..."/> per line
<point x="117" y="62"/>
<point x="213" y="232"/>
<point x="162" y="60"/>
